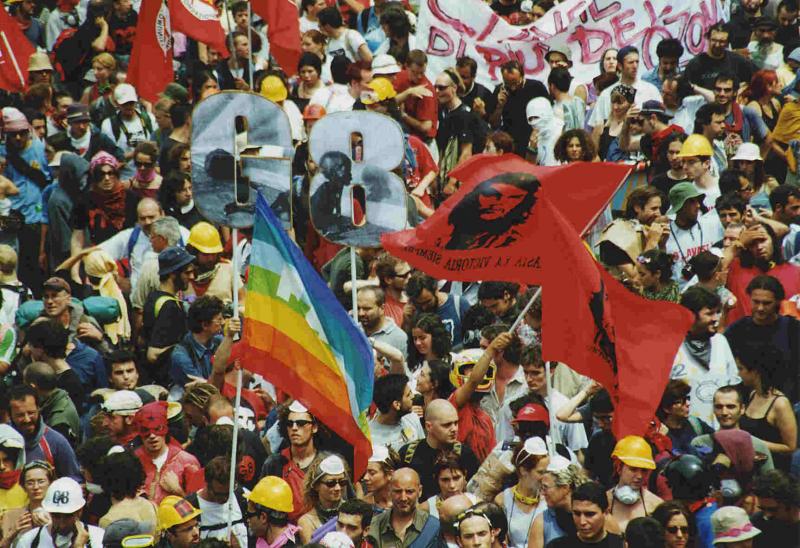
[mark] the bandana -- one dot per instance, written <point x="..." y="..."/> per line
<point x="152" y="419"/>
<point x="628" y="93"/>
<point x="103" y="158"/>
<point x="9" y="479"/>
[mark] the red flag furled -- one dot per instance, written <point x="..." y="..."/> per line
<point x="480" y="233"/>
<point x="150" y="68"/>
<point x="283" y="31"/>
<point x="15" y="53"/>
<point x="579" y="190"/>
<point x="198" y="20"/>
<point x="601" y="329"/>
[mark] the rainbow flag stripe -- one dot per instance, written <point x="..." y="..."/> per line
<point x="298" y="336"/>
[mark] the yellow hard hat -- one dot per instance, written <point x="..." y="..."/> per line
<point x="174" y="511"/>
<point x="635" y="452"/>
<point x="463" y="362"/>
<point x="273" y="89"/>
<point x="695" y="145"/>
<point x="382" y="89"/>
<point x="205" y="238"/>
<point x="274" y="493"/>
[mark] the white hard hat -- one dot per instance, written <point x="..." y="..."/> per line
<point x="64" y="496"/>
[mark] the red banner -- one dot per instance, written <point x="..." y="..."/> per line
<point x="15" y="53"/>
<point x="150" y="68"/>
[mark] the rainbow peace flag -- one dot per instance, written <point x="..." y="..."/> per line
<point x="298" y="336"/>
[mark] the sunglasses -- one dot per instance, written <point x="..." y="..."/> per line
<point x="675" y="528"/>
<point x="441" y="87"/>
<point x="404" y="275"/>
<point x="330" y="484"/>
<point x="104" y="174"/>
<point x="300" y="423"/>
<point x="143" y="164"/>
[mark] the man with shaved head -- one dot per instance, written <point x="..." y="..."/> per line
<point x="448" y="512"/>
<point x="441" y="425"/>
<point x="405" y="523"/>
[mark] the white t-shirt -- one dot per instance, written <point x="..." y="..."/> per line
<point x="645" y="91"/>
<point x="295" y="120"/>
<point x="215" y="514"/>
<point x="407" y="430"/>
<point x="347" y="44"/>
<point x="721" y="371"/>
<point x="46" y="541"/>
<point x="712" y="193"/>
<point x="306" y="25"/>
<point x="573" y="435"/>
<point x="684" y="244"/>
<point x="335" y="98"/>
<point x="135" y="129"/>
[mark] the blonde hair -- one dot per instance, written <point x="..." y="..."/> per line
<point x="314" y="475"/>
<point x="8" y="259"/>
<point x="106" y="60"/>
<point x="572" y="476"/>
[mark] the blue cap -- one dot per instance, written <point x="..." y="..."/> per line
<point x="173" y="259"/>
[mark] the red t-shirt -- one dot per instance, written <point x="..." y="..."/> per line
<point x="739" y="277"/>
<point x="422" y="109"/>
<point x="475" y="428"/>
<point x="392" y="308"/>
<point x="425" y="165"/>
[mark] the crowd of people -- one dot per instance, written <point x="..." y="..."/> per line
<point x="118" y="328"/>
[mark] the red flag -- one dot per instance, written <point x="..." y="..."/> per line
<point x="15" y="53"/>
<point x="480" y="232"/>
<point x="598" y="327"/>
<point x="150" y="68"/>
<point x="198" y="20"/>
<point x="283" y="31"/>
<point x="579" y="190"/>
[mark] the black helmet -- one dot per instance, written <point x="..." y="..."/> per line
<point x="688" y="477"/>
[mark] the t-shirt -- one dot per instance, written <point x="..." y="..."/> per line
<point x="451" y="313"/>
<point x="133" y="128"/>
<point x="645" y="91"/>
<point x="421" y="108"/>
<point x="514" y="119"/>
<point x="702" y="70"/>
<point x="459" y="124"/>
<point x="40" y="537"/>
<point x="169" y="326"/>
<point x="424" y="458"/>
<point x="347" y="44"/>
<point x="683" y="244"/>
<point x="396" y="436"/>
<point x="572" y="541"/>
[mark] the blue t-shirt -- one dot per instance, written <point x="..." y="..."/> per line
<point x="88" y="364"/>
<point x="29" y="199"/>
<point x="705" y="533"/>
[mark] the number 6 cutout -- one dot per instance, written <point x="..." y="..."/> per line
<point x="239" y="124"/>
<point x="354" y="198"/>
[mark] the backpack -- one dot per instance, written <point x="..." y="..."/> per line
<point x="118" y="127"/>
<point x="103" y="309"/>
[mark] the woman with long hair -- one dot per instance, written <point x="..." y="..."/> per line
<point x="309" y="72"/>
<point x="556" y="486"/>
<point x="622" y="98"/>
<point x="450" y="474"/>
<point x="325" y="487"/>
<point x="204" y="83"/>
<point x="607" y="77"/>
<point x="574" y="145"/>
<point x="175" y="196"/>
<point x="36" y="477"/>
<point x="678" y="523"/>
<point x="378" y="476"/>
<point x="313" y="41"/>
<point x="433" y="382"/>
<point x="768" y="413"/>
<point x="523" y="502"/>
<point x="654" y="272"/>
<point x="429" y="340"/>
<point x="764" y="96"/>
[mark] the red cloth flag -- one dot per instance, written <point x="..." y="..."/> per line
<point x="150" y="68"/>
<point x="283" y="31"/>
<point x="579" y="190"/>
<point x="198" y="20"/>
<point x="601" y="329"/>
<point x="15" y="54"/>
<point x="480" y="233"/>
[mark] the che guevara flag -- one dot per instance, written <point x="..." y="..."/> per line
<point x="15" y="54"/>
<point x="298" y="336"/>
<point x="283" y="31"/>
<point x="504" y="225"/>
<point x="198" y="20"/>
<point x="150" y="68"/>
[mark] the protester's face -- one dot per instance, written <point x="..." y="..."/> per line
<point x="424" y="384"/>
<point x="405" y="493"/>
<point x="475" y="532"/>
<point x="717" y="43"/>
<point x="64" y="524"/>
<point x="35" y="483"/>
<point x="633" y="477"/>
<point x="691" y="209"/>
<point x="184" y="278"/>
<point x="370" y="315"/>
<point x="500" y="306"/>
<point x="301" y="428"/>
<point x="375" y="478"/>
<point x="308" y="45"/>
<point x="630" y="66"/>
<point x="707" y="320"/>
<point x="78" y="129"/>
<point x="723" y="92"/>
<point x="765" y="35"/>
<point x="416" y="73"/>
<point x="786" y="18"/>
<point x="210" y="86"/>
<point x="790" y="213"/>
<point x="774" y="510"/>
<point x="647" y="279"/>
<point x="124" y="376"/>
<point x="407" y="402"/>
<point x="669" y="93"/>
<point x="17" y="140"/>
<point x="426" y="301"/>
<point x="256" y="521"/>
<point x="444" y="429"/>
<point x="610" y="61"/>
<point x="26" y="7"/>
<point x="694" y="168"/>
<point x="557" y="60"/>
<point x="589" y="520"/>
<point x="114" y="424"/>
<point x="534" y="376"/>
<point x="500" y="203"/>
<point x="668" y="65"/>
<point x="554" y="495"/>
<point x="107" y="178"/>
<point x="730" y="236"/>
<point x="574" y="150"/>
<point x="25" y="415"/>
<point x="512" y="79"/>
<point x="604" y="421"/>
<point x="39" y="128"/>
<point x="309" y="75"/>
<point x="40" y="77"/>
<point x="55" y="302"/>
<point x="147" y="213"/>
<point x="7" y="464"/>
<point x="680" y="408"/>
<point x="445" y="89"/>
<point x="153" y="443"/>
<point x="676" y="533"/>
<point x="762" y="248"/>
<point x="184" y="195"/>
<point x="144" y="163"/>
<point x="185" y="535"/>
<point x="423" y="341"/>
<point x="619" y="106"/>
<point x="451" y="482"/>
<point x="764" y="306"/>
<point x="466" y="76"/>
<point x="123" y="6"/>
<point x="402" y="270"/>
<point x="241" y="19"/>
<point x="350" y="525"/>
<point x="728" y="216"/>
<point x="330" y="489"/>
<point x="650" y="212"/>
<point x="728" y="409"/>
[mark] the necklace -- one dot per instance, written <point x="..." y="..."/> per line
<point x="524" y="499"/>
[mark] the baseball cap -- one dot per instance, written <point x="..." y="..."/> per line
<point x="680" y="193"/>
<point x="532" y="412"/>
<point x="125" y="93"/>
<point x="765" y="22"/>
<point x="64" y="496"/>
<point x="654" y="107"/>
<point x="78" y="112"/>
<point x="122" y="402"/>
<point x="57" y="284"/>
<point x="173" y="259"/>
<point x="384" y="65"/>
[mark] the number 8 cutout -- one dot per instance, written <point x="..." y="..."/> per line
<point x="354" y="197"/>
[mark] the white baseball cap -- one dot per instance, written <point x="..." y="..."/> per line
<point x="332" y="466"/>
<point x="64" y="496"/>
<point x="297" y="407"/>
<point x="122" y="402"/>
<point x="379" y="454"/>
<point x="125" y="93"/>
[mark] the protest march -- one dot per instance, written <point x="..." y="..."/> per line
<point x="399" y="273"/>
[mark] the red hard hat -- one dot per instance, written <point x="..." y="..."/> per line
<point x="313" y="112"/>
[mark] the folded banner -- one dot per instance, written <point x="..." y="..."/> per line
<point x="298" y="336"/>
<point x="198" y="20"/>
<point x="283" y="31"/>
<point x="482" y="232"/>
<point x="150" y="68"/>
<point x="15" y="54"/>
<point x="448" y="29"/>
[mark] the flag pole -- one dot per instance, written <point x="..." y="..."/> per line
<point x="230" y="35"/>
<point x="353" y="288"/>
<point x="250" y="41"/>
<point x="13" y="59"/>
<point x="551" y="447"/>
<point x="524" y="311"/>
<point x="237" y="405"/>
